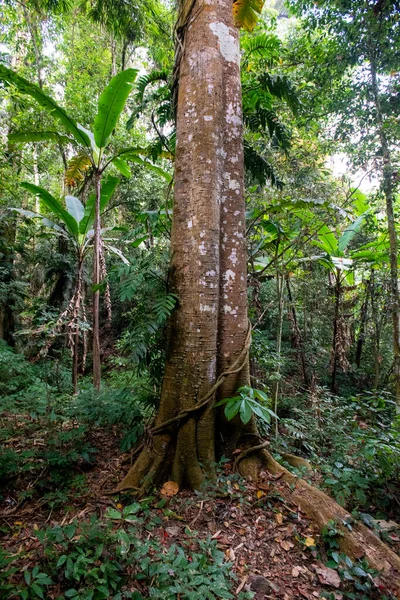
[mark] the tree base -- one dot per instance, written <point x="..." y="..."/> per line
<point x="154" y="466"/>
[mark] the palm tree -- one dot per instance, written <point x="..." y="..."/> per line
<point x="92" y="150"/>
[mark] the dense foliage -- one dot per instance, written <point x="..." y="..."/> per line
<point x="321" y="115"/>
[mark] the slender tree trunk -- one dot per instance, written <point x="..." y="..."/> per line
<point x="299" y="343"/>
<point x="363" y="323"/>
<point x="338" y="291"/>
<point x="76" y="315"/>
<point x="388" y="189"/>
<point x="377" y="334"/>
<point x="96" y="283"/>
<point x="275" y="386"/>
<point x="125" y="47"/>
<point x="113" y="48"/>
<point x="208" y="266"/>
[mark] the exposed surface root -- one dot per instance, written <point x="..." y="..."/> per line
<point x="321" y="508"/>
<point x="296" y="461"/>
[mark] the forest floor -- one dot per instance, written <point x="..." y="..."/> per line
<point x="273" y="548"/>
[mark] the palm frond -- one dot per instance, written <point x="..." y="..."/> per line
<point x="262" y="120"/>
<point x="280" y="87"/>
<point x="149" y="79"/>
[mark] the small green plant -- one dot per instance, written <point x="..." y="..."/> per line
<point x="357" y="577"/>
<point x="249" y="402"/>
<point x="111" y="559"/>
<point x="36" y="584"/>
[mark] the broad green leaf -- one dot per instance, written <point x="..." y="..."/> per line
<point x="40" y="136"/>
<point x="122" y="166"/>
<point x="350" y="277"/>
<point x="133" y="155"/>
<point x="53" y="205"/>
<point x="33" y="215"/>
<point x="343" y="264"/>
<point x="262" y="412"/>
<point x="111" y="105"/>
<point x="360" y="202"/>
<point x="261" y="395"/>
<point x="75" y="208"/>
<point x="46" y="102"/>
<point x="328" y="241"/>
<point x="246" y="13"/>
<point x="245" y="411"/>
<point x="118" y="253"/>
<point x="232" y="409"/>
<point x="351" y="231"/>
<point x="226" y="400"/>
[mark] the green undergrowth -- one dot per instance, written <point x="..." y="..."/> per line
<point x="49" y="437"/>
<point x="121" y="556"/>
<point x="354" y="443"/>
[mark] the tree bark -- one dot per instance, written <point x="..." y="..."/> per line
<point x="389" y="192"/>
<point x="208" y="264"/>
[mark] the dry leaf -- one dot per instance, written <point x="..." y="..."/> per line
<point x="170" y="488"/>
<point x="309" y="542"/>
<point x="286" y="545"/>
<point x="260" y="494"/>
<point x="296" y="571"/>
<point x="279" y="518"/>
<point x="327" y="575"/>
<point x="173" y="531"/>
<point x="230" y="554"/>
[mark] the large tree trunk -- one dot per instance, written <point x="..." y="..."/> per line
<point x="208" y="265"/>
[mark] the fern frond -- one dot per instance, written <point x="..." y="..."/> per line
<point x="266" y="46"/>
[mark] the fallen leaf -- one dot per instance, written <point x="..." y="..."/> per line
<point x="170" y="488"/>
<point x="173" y="531"/>
<point x="327" y="575"/>
<point x="309" y="542"/>
<point x="230" y="554"/>
<point x="260" y="494"/>
<point x="296" y="571"/>
<point x="216" y="534"/>
<point x="385" y="525"/>
<point x="286" y="545"/>
<point x="279" y="518"/>
<point x="241" y="586"/>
